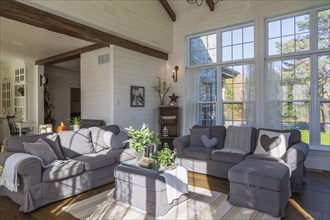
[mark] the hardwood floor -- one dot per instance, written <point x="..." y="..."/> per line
<point x="313" y="203"/>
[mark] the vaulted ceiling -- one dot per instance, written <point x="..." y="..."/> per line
<point x="23" y="39"/>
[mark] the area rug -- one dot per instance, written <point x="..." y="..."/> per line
<point x="202" y="204"/>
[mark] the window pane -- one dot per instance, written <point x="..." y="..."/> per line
<point x="226" y="53"/>
<point x="274" y="29"/>
<point x="248" y="50"/>
<point x="323" y="25"/>
<point x="238" y="94"/>
<point x="294" y="35"/>
<point x="302" y="42"/>
<point x="203" y="50"/>
<point x="237" y="36"/>
<point x="287" y="26"/>
<point x="288" y="44"/>
<point x="288" y="95"/>
<point x="324" y="123"/>
<point x="226" y="38"/>
<point x="302" y="24"/>
<point x="208" y="88"/>
<point x="212" y="41"/>
<point x="248" y="34"/>
<point x="207" y="114"/>
<point x="237" y="52"/>
<point x="274" y="46"/>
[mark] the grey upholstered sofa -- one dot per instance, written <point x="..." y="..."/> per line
<point x="91" y="165"/>
<point x="213" y="162"/>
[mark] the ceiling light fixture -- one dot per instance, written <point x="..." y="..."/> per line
<point x="200" y="2"/>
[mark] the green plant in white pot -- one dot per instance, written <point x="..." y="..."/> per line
<point x="165" y="156"/>
<point x="141" y="140"/>
<point x="75" y="122"/>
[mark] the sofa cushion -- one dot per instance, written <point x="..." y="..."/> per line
<point x="120" y="155"/>
<point x="41" y="149"/>
<point x="76" y="143"/>
<point x="66" y="170"/>
<point x="95" y="161"/>
<point x="15" y="144"/>
<point x="260" y="173"/>
<point x="97" y="134"/>
<point x="201" y="153"/>
<point x="227" y="157"/>
<point x="196" y="135"/>
<point x="272" y="143"/>
<point x="115" y="142"/>
<point x="238" y="139"/>
<point x="218" y="132"/>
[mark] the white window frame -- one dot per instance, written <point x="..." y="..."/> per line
<point x="312" y="53"/>
<point x="220" y="63"/>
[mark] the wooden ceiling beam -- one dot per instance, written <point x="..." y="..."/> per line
<point x="29" y="15"/>
<point x="70" y="55"/>
<point x="210" y="3"/>
<point x="168" y="9"/>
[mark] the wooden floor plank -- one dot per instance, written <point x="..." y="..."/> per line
<point x="314" y="202"/>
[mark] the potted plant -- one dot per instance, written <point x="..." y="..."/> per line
<point x="162" y="89"/>
<point x="165" y="157"/>
<point x="141" y="140"/>
<point x="75" y="122"/>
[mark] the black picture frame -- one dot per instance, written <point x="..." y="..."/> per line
<point x="137" y="96"/>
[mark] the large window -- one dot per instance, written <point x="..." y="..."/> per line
<point x="224" y="79"/>
<point x="297" y="63"/>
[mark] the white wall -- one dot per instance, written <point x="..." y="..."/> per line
<point x="96" y="89"/>
<point x="144" y="22"/>
<point x="60" y="81"/>
<point x="134" y="69"/>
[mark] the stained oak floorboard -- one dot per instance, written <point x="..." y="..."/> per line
<point x="315" y="201"/>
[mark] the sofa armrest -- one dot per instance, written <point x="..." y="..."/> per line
<point x="297" y="153"/>
<point x="30" y="167"/>
<point x="180" y="143"/>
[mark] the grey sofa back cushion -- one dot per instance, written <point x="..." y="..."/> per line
<point x="218" y="131"/>
<point x="76" y="143"/>
<point x="196" y="134"/>
<point x="15" y="144"/>
<point x="97" y="134"/>
<point x="295" y="136"/>
<point x="238" y="139"/>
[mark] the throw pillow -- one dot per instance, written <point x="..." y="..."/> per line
<point x="238" y="139"/>
<point x="196" y="135"/>
<point x="115" y="142"/>
<point x="41" y="149"/>
<point x="272" y="143"/>
<point x="209" y="143"/>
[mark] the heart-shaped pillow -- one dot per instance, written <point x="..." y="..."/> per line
<point x="268" y="143"/>
<point x="115" y="142"/>
<point x="209" y="143"/>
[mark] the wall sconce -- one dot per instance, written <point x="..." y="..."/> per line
<point x="175" y="74"/>
<point x="43" y="80"/>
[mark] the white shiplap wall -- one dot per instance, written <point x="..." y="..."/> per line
<point x="144" y="21"/>
<point x="135" y="69"/>
<point x="96" y="90"/>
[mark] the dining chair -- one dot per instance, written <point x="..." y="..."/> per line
<point x="14" y="131"/>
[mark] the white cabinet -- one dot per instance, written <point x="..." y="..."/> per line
<point x="24" y="95"/>
<point x="5" y="95"/>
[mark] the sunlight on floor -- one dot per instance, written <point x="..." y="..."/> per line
<point x="301" y="210"/>
<point x="58" y="209"/>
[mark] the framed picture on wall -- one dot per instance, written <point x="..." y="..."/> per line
<point x="137" y="96"/>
